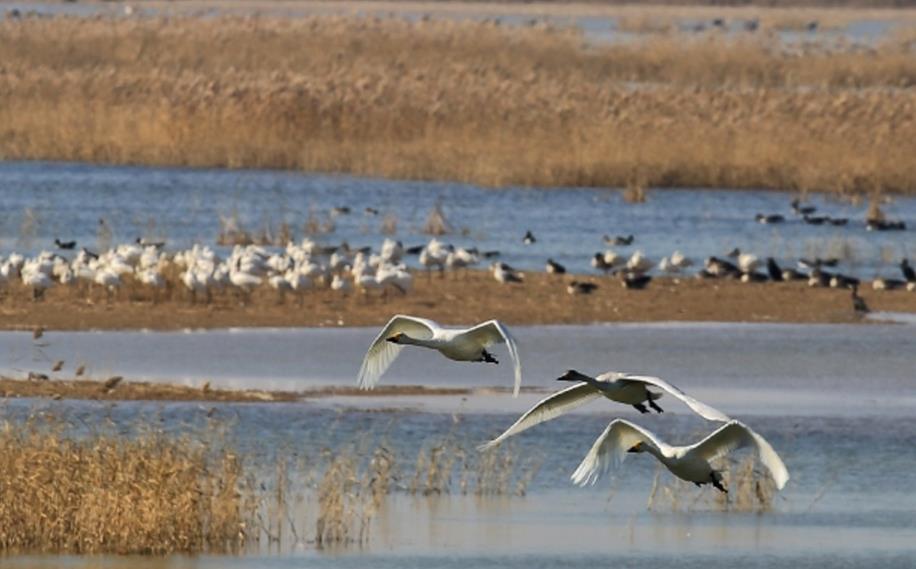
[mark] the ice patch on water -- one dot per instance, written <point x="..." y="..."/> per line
<point x="896" y="317"/>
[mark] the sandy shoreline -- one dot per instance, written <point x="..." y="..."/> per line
<point x="455" y="299"/>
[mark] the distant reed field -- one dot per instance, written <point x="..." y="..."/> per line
<point x="465" y="101"/>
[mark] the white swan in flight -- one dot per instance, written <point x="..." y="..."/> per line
<point x="620" y="387"/>
<point x="690" y="463"/>
<point x="459" y="344"/>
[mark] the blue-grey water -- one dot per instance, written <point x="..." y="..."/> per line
<point x="595" y="27"/>
<point x="41" y="201"/>
<point x="836" y="401"/>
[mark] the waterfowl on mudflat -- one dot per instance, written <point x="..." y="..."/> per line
<point x="634" y="281"/>
<point x="881" y="283"/>
<point x="908" y="273"/>
<point x="858" y="303"/>
<point x="774" y="270"/>
<point x="579" y="287"/>
<point x="555" y="268"/>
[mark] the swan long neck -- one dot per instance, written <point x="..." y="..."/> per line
<point x="405" y="339"/>
<point x="664" y="453"/>
<point x="657" y="453"/>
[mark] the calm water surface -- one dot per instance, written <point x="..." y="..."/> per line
<point x="41" y="201"/>
<point x="836" y="402"/>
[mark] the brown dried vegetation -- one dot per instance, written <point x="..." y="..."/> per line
<point x="459" y="100"/>
<point x="132" y="489"/>
<point x="147" y="494"/>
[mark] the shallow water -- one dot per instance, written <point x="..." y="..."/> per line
<point x="835" y="401"/>
<point x="724" y="363"/>
<point x="594" y="28"/>
<point x="44" y="200"/>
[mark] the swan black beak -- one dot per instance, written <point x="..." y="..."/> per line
<point x="572" y="375"/>
<point x="634" y="448"/>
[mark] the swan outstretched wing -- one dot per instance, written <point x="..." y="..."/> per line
<point x="382" y="352"/>
<point x="494" y="332"/>
<point x="610" y="449"/>
<point x="735" y="435"/>
<point x="698" y="407"/>
<point x="547" y="409"/>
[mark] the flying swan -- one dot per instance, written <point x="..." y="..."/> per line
<point x="620" y="387"/>
<point x="463" y="345"/>
<point x="690" y="463"/>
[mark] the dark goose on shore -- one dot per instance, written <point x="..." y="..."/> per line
<point x="774" y="270"/>
<point x="908" y="273"/>
<point x="635" y="281"/>
<point x="858" y="303"/>
<point x="555" y="268"/>
<point x="577" y="287"/>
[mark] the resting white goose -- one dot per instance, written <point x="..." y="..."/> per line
<point x="691" y="463"/>
<point x="621" y="387"/>
<point x="463" y="345"/>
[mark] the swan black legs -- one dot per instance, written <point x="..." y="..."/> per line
<point x="487" y="357"/>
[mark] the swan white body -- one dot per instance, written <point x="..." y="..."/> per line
<point x="504" y="275"/>
<point x="459" y="344"/>
<point x="616" y="386"/>
<point x="748" y="262"/>
<point x="675" y="263"/>
<point x="639" y="263"/>
<point x="691" y="463"/>
<point x="340" y="284"/>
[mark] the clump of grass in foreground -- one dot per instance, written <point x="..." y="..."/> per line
<point x="113" y="494"/>
<point x="130" y="489"/>
<point x="465" y="101"/>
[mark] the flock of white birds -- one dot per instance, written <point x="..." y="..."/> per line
<point x="694" y="463"/>
<point x="307" y="265"/>
<point x="202" y="271"/>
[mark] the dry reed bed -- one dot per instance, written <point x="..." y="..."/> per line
<point x="113" y="494"/>
<point x="62" y="490"/>
<point x="464" y="101"/>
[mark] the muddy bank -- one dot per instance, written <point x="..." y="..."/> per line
<point x="457" y="299"/>
<point x="119" y="389"/>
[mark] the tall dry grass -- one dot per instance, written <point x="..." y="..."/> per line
<point x="130" y="489"/>
<point x="464" y="101"/>
<point x="109" y="494"/>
